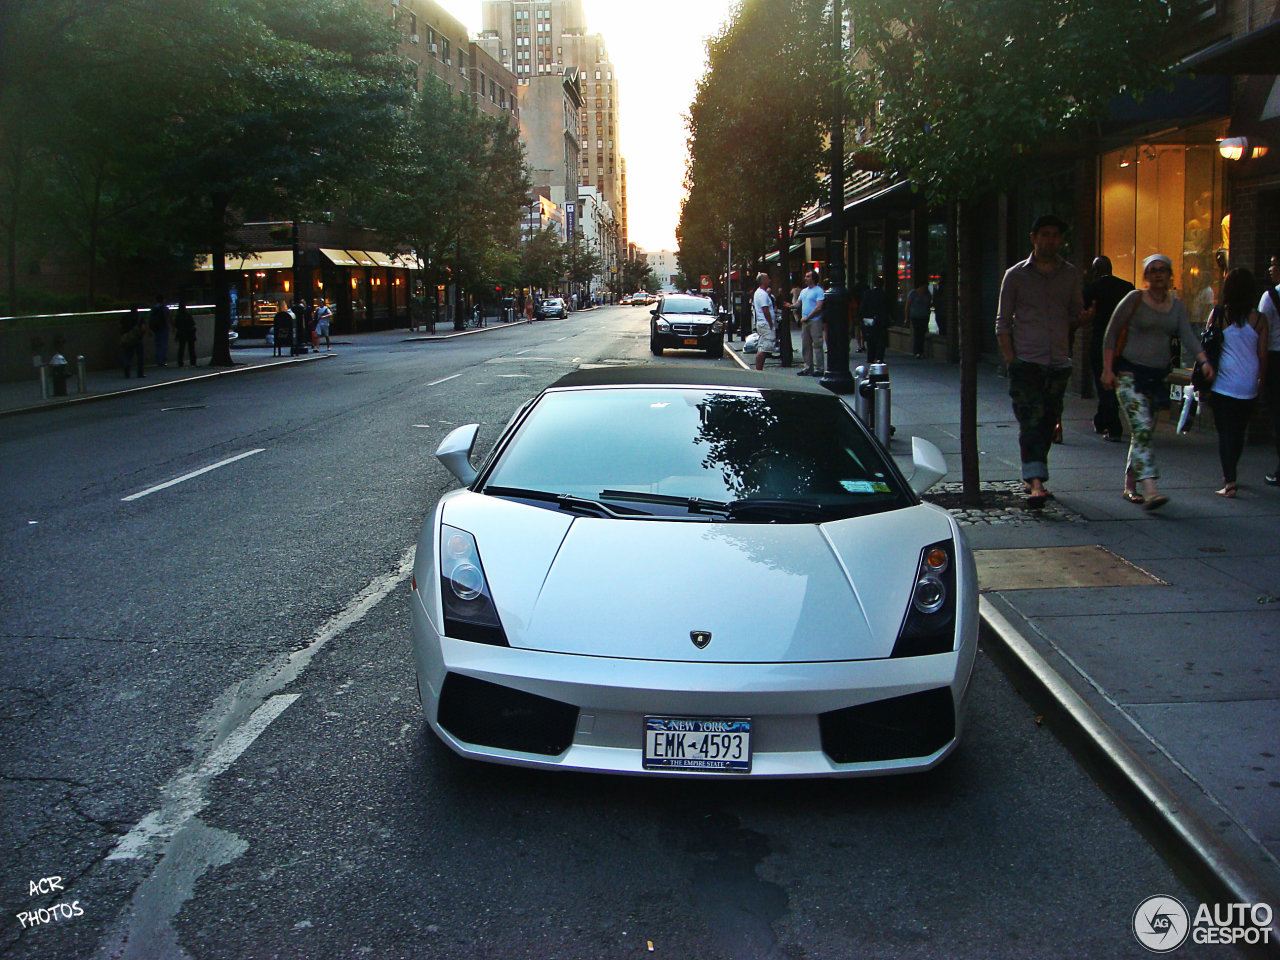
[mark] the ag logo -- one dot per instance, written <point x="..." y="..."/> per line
<point x="700" y="638"/>
<point x="1161" y="924"/>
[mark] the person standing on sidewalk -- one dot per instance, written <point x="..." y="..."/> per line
<point x="1135" y="363"/>
<point x="1242" y="365"/>
<point x="809" y="309"/>
<point x="1102" y="294"/>
<point x="133" y="333"/>
<point x="1041" y="304"/>
<point x="762" y="311"/>
<point x="324" y="314"/>
<point x="919" y="303"/>
<point x="160" y="330"/>
<point x="876" y="317"/>
<point x="184" y="332"/>
<point x="1269" y="307"/>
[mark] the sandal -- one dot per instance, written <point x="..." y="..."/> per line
<point x="1154" y="502"/>
<point x="1228" y="491"/>
<point x="1133" y="496"/>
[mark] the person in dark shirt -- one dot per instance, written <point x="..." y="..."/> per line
<point x="1103" y="293"/>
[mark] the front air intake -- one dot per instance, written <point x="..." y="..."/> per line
<point x="490" y="715"/>
<point x="915" y="725"/>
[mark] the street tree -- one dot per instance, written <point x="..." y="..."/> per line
<point x="969" y="93"/>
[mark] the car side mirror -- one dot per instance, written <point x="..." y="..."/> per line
<point x="455" y="452"/>
<point x="930" y="465"/>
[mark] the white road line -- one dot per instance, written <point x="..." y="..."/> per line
<point x="184" y="795"/>
<point x="187" y="476"/>
<point x="443" y="379"/>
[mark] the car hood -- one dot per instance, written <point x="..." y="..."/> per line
<point x="638" y="589"/>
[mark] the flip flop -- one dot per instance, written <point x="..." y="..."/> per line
<point x="1229" y="491"/>
<point x="1037" y="502"/>
<point x="1133" y="496"/>
<point x="1154" y="502"/>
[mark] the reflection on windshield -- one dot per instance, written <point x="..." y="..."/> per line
<point x="699" y="307"/>
<point x="663" y="447"/>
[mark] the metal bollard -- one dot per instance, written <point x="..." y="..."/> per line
<point x="80" y="372"/>
<point x="44" y="381"/>
<point x="881" y="402"/>
<point x="861" y="402"/>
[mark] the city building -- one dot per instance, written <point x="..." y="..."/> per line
<point x="549" y="118"/>
<point x="664" y="266"/>
<point x="541" y="38"/>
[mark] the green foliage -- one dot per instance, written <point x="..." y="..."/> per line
<point x="542" y="259"/>
<point x="636" y="274"/>
<point x="971" y="90"/>
<point x="756" y="129"/>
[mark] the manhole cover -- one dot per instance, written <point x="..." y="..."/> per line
<point x="1040" y="568"/>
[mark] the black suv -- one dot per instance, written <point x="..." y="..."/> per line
<point x="686" y="322"/>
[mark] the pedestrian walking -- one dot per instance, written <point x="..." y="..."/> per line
<point x="160" y="324"/>
<point x="133" y="334"/>
<point x="1102" y="294"/>
<point x="324" y="314"/>
<point x="763" y="312"/>
<point x="1041" y="304"/>
<point x="809" y="307"/>
<point x="1136" y="361"/>
<point x="919" y="304"/>
<point x="1269" y="306"/>
<point x="1240" y="371"/>
<point x="876" y="317"/>
<point x="184" y="332"/>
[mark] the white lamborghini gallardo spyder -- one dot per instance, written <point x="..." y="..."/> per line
<point x="688" y="572"/>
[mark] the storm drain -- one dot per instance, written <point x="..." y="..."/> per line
<point x="1042" y="568"/>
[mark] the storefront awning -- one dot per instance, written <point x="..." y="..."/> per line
<point x="1256" y="52"/>
<point x="339" y="258"/>
<point x="380" y="258"/>
<point x="263" y="260"/>
<point x="362" y="258"/>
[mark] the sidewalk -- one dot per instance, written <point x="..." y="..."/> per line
<point x="1150" y="639"/>
<point x="23" y="396"/>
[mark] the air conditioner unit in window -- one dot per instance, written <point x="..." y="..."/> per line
<point x="413" y="38"/>
<point x="435" y="48"/>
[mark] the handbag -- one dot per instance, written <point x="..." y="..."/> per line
<point x="1211" y="342"/>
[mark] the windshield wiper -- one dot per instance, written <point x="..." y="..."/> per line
<point x="776" y="508"/>
<point x="692" y="504"/>
<point x="564" y="501"/>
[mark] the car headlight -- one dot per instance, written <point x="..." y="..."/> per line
<point x="663" y="326"/>
<point x="469" y="613"/>
<point x="929" y="626"/>
<point x="718" y="327"/>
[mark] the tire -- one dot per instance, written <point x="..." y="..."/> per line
<point x="654" y="347"/>
<point x="716" y="350"/>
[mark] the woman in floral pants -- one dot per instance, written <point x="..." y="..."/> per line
<point x="1135" y="362"/>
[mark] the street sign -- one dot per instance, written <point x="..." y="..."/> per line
<point x="706" y="282"/>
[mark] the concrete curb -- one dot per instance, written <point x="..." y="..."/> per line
<point x="160" y="385"/>
<point x="1217" y="865"/>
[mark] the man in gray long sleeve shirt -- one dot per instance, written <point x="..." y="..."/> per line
<point x="1041" y="304"/>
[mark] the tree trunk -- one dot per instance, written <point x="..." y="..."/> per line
<point x="970" y="348"/>
<point x="220" y="353"/>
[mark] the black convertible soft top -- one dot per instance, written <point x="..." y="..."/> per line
<point x="687" y="376"/>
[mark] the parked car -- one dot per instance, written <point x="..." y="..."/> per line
<point x="568" y="609"/>
<point x="552" y="308"/>
<point x="690" y="323"/>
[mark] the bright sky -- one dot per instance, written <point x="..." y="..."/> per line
<point x="659" y="52"/>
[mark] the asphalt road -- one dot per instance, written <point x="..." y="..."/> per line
<point x="209" y="729"/>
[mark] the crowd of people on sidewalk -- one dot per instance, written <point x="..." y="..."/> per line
<point x="159" y="323"/>
<point x="1134" y="336"/>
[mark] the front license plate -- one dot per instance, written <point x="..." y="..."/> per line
<point x="690" y="341"/>
<point x="697" y="743"/>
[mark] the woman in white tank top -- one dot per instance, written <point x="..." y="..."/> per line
<point x="1241" y="366"/>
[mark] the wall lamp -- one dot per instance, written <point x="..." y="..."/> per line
<point x="1242" y="148"/>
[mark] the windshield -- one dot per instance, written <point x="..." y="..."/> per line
<point x="687" y="306"/>
<point x="698" y="453"/>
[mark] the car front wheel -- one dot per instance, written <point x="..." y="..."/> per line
<point x="716" y="350"/>
<point x="654" y="348"/>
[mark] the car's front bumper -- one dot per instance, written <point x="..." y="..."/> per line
<point x="786" y="703"/>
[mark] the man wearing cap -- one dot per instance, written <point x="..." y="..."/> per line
<point x="1041" y="304"/>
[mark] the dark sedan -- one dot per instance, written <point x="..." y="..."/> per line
<point x="686" y="322"/>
